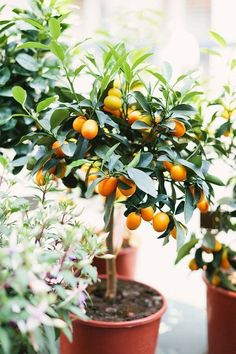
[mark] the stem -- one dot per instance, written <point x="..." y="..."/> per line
<point x="111" y="289"/>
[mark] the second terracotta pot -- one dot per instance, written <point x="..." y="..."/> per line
<point x="125" y="262"/>
<point x="129" y="337"/>
<point x="221" y="315"/>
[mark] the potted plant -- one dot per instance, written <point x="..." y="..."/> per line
<point x="140" y="143"/>
<point x="31" y="66"/>
<point x="39" y="288"/>
<point x="218" y="259"/>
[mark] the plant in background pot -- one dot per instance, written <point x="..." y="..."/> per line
<point x="218" y="259"/>
<point x="31" y="66"/>
<point x="39" y="289"/>
<point x="143" y="149"/>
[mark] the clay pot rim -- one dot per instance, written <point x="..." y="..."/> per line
<point x="218" y="289"/>
<point x="134" y="323"/>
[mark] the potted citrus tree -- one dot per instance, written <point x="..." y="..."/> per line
<point x="142" y="142"/>
<point x="216" y="258"/>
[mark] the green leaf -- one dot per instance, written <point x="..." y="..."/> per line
<point x="19" y="94"/>
<point x="218" y="38"/>
<point x="74" y="164"/>
<point x="188" y="205"/>
<point x="186" y="248"/>
<point x="143" y="181"/>
<point x="5" y="341"/>
<point x="210" y="51"/>
<point x="190" y="95"/>
<point x="135" y="161"/>
<point x="57" y="50"/>
<point x="183" y="108"/>
<point x="32" y="45"/>
<point x="180" y="234"/>
<point x="139" y="125"/>
<point x="27" y="62"/>
<point x="45" y="103"/>
<point x="140" y="60"/>
<point x="34" y="23"/>
<point x="158" y="76"/>
<point x="54" y="28"/>
<point x="209" y="240"/>
<point x="142" y="101"/>
<point x="58" y="116"/>
<point x="4" y="75"/>
<point x="214" y="180"/>
<point x="51" y="339"/>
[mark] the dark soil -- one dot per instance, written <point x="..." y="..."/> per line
<point x="134" y="301"/>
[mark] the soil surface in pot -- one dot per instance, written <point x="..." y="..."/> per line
<point x="134" y="301"/>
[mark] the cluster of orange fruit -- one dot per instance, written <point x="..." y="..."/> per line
<point x="179" y="174"/>
<point x="88" y="128"/>
<point x="160" y="220"/>
<point x="110" y="184"/>
<point x="225" y="264"/>
<point x="58" y="171"/>
<point x="113" y="101"/>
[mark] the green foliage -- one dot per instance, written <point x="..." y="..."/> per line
<point x="45" y="268"/>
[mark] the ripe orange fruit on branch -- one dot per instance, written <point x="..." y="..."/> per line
<point x="167" y="165"/>
<point x="173" y="232"/>
<point x="129" y="191"/>
<point x="133" y="221"/>
<point x="215" y="280"/>
<point x="56" y="146"/>
<point x="193" y="265"/>
<point x="179" y="129"/>
<point x="115" y="92"/>
<point x="203" y="204"/>
<point x="160" y="221"/>
<point x="224" y="260"/>
<point x="60" y="170"/>
<point x="147" y="213"/>
<point x="178" y="173"/>
<point x="113" y="102"/>
<point x="107" y="186"/>
<point x="217" y="247"/>
<point x="89" y="129"/>
<point x="116" y="113"/>
<point x="78" y="123"/>
<point x="133" y="116"/>
<point x="92" y="174"/>
<point x="39" y="178"/>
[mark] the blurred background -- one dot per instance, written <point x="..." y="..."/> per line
<point x="176" y="31"/>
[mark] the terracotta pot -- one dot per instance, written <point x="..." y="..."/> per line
<point x="129" y="337"/>
<point x="125" y="262"/>
<point x="221" y="315"/>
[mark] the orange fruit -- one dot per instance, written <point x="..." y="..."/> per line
<point x="115" y="92"/>
<point x="203" y="204"/>
<point x="133" y="116"/>
<point x="56" y="146"/>
<point x="107" y="186"/>
<point x="133" y="221"/>
<point x="160" y="221"/>
<point x="224" y="260"/>
<point x="60" y="170"/>
<point x="78" y="123"/>
<point x="178" y="173"/>
<point x="92" y="174"/>
<point x="215" y="280"/>
<point x="179" y="129"/>
<point x="39" y="178"/>
<point x="130" y="191"/>
<point x="226" y="133"/>
<point x="113" y="102"/>
<point x="147" y="213"/>
<point x="167" y="165"/>
<point x="193" y="265"/>
<point x="173" y="232"/>
<point x="89" y="129"/>
<point x="116" y="113"/>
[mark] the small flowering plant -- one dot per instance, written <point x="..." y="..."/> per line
<point x="45" y="268"/>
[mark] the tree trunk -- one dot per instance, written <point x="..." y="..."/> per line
<point x="111" y="288"/>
